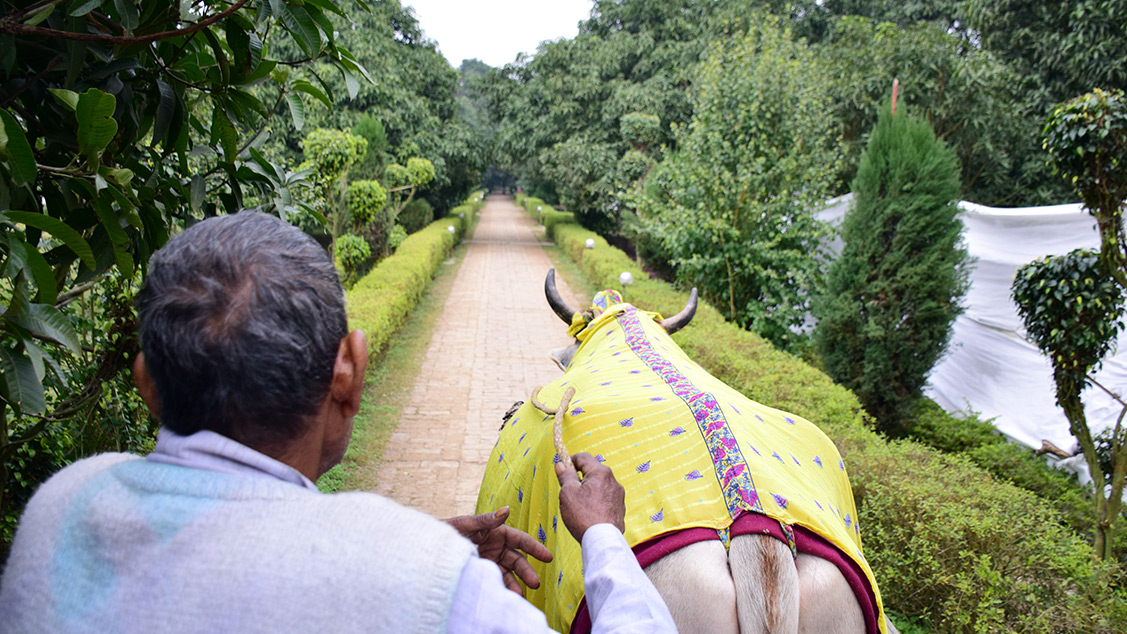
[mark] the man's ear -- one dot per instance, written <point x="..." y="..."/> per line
<point x="145" y="385"/>
<point x="348" y="372"/>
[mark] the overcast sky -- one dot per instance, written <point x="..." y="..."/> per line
<point x="495" y="31"/>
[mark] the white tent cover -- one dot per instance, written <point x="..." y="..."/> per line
<point x="990" y="369"/>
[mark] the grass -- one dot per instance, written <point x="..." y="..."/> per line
<point x="388" y="385"/>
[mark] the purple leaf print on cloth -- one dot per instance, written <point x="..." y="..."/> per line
<point x="754" y="449"/>
<point x="556" y="459"/>
<point x="736" y="410"/>
<point x="657" y="398"/>
<point x="848" y="520"/>
<point x="635" y="372"/>
<point x="644" y="467"/>
<point x="657" y="517"/>
<point x="840" y="465"/>
<point x="776" y="454"/>
<point x="542" y="535"/>
<point x="605" y="384"/>
<point x="780" y="500"/>
<point x="788" y="419"/>
<point x="526" y="450"/>
<point x="520" y="495"/>
<point x="693" y="475"/>
<point x="554" y="523"/>
<point x="577" y="411"/>
<point x="600" y="457"/>
<point x="796" y="461"/>
<point x="818" y="461"/>
<point x="676" y="431"/>
<point x="501" y="457"/>
<point x="626" y="422"/>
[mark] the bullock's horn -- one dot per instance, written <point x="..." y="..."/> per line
<point x="554" y="300"/>
<point x="682" y="319"/>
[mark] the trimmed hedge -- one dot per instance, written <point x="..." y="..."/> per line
<point x="949" y="543"/>
<point x="380" y="302"/>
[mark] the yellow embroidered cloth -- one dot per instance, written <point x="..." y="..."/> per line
<point x="689" y="450"/>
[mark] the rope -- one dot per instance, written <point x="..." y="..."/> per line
<point x="557" y="427"/>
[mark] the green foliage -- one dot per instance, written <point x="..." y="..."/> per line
<point x="640" y="130"/>
<point x="398" y="235"/>
<point x="893" y="293"/>
<point x="1071" y="310"/>
<point x="420" y="171"/>
<point x="1087" y="143"/>
<point x="395" y="175"/>
<point x="331" y="153"/>
<point x="415" y="215"/>
<point x="371" y="166"/>
<point x="365" y="199"/>
<point x="352" y="251"/>
<point x="1058" y="49"/>
<point x="937" y="429"/>
<point x="970" y="98"/>
<point x="737" y="197"/>
<point x="949" y="544"/>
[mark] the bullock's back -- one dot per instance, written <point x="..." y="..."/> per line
<point x="689" y="450"/>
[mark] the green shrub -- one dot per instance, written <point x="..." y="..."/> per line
<point x="550" y="217"/>
<point x="950" y="544"/>
<point x="934" y="427"/>
<point x="398" y="235"/>
<point x="365" y="199"/>
<point x="416" y="214"/>
<point x="893" y="293"/>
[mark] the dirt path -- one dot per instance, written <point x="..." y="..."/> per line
<point x="489" y="350"/>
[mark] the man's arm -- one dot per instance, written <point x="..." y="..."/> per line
<point x="620" y="597"/>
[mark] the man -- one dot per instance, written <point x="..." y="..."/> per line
<point x="248" y="363"/>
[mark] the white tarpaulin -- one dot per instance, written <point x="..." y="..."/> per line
<point x="990" y="368"/>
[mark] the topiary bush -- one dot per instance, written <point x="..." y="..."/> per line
<point x="415" y="215"/>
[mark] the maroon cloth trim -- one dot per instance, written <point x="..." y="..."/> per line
<point x="806" y="541"/>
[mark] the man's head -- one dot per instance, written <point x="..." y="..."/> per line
<point x="241" y="321"/>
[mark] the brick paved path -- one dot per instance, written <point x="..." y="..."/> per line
<point x="489" y="350"/>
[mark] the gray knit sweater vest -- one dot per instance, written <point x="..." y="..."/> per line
<point x="116" y="544"/>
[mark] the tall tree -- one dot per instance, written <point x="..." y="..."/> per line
<point x="893" y="293"/>
<point x="733" y="205"/>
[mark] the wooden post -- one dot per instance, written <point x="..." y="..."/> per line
<point x="895" y="90"/>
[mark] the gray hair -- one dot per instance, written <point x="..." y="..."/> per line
<point x="241" y="318"/>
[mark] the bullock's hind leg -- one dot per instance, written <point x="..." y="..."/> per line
<point x="827" y="603"/>
<point x="767" y="587"/>
<point x="697" y="587"/>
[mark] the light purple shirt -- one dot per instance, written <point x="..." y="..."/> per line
<point x="620" y="597"/>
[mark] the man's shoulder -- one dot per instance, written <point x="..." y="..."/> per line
<point x="75" y="475"/>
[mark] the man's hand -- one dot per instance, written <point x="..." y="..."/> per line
<point x="503" y="545"/>
<point x="596" y="499"/>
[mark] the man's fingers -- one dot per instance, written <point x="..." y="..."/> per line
<point x="511" y="583"/>
<point x="524" y="570"/>
<point x="524" y="541"/>
<point x="586" y="463"/>
<point x="566" y="474"/>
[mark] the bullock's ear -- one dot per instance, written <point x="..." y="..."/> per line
<point x="562" y="356"/>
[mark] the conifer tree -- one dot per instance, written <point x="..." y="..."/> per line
<point x="894" y="292"/>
